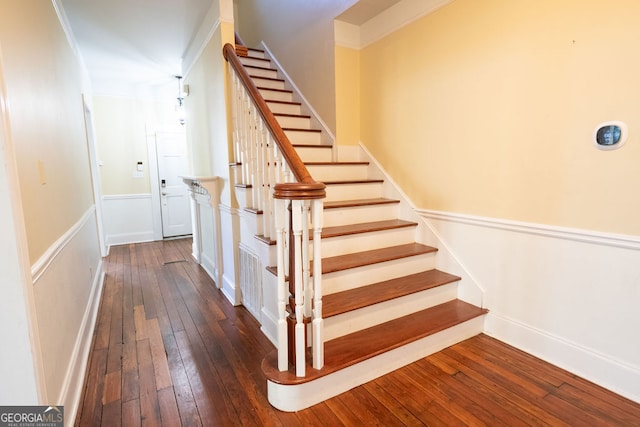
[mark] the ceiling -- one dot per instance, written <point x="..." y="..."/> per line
<point x="132" y="47"/>
<point x="135" y="47"/>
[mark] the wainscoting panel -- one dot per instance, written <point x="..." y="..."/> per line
<point x="568" y="296"/>
<point x="128" y="219"/>
<point x="67" y="286"/>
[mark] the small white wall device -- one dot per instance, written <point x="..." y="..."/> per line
<point x="610" y="135"/>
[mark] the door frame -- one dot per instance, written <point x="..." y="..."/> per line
<point x="154" y="178"/>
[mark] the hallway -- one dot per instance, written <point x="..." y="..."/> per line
<point x="168" y="349"/>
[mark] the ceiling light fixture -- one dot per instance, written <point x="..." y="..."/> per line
<point x="180" y="101"/>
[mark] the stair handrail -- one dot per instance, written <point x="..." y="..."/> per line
<point x="312" y="189"/>
<point x="297" y="205"/>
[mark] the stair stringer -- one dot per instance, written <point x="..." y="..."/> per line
<point x="296" y="397"/>
<point x="469" y="288"/>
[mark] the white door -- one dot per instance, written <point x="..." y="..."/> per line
<point x="171" y="150"/>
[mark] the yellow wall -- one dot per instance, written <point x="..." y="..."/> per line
<point x="488" y="108"/>
<point x="347" y="96"/>
<point x="121" y="126"/>
<point x="44" y="90"/>
<point x="207" y="110"/>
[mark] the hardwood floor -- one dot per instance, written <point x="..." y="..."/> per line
<point x="170" y="350"/>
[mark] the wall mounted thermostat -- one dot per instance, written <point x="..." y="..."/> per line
<point x="610" y="135"/>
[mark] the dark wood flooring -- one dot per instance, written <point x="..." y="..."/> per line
<point x="169" y="350"/>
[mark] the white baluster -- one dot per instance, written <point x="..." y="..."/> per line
<point x="297" y="210"/>
<point x="281" y="223"/>
<point x="317" y="323"/>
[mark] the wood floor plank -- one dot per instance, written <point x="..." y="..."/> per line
<point x="212" y="353"/>
<point x="158" y="355"/>
<point x="168" y="407"/>
<point x="149" y="407"/>
<point x="131" y="413"/>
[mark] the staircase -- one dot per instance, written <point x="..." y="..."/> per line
<point x="385" y="304"/>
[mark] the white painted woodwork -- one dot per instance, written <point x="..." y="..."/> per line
<point x="359" y="214"/>
<point x="341" y="245"/>
<point x="367" y="190"/>
<point x="283" y="108"/>
<point x="171" y="152"/>
<point x="302" y="137"/>
<point x="255" y="62"/>
<point x="315" y="154"/>
<point x="368" y="274"/>
<point x="268" y="83"/>
<point x="262" y="72"/>
<point x="253" y="53"/>
<point x="298" y="122"/>
<point x="338" y="172"/>
<point x="128" y="218"/>
<point x="297" y="397"/>
<point x="346" y="323"/>
<point x="275" y="95"/>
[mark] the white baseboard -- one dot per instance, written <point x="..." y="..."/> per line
<point x="229" y="290"/>
<point x="127" y="238"/>
<point x="589" y="364"/>
<point x="269" y="326"/>
<point x="74" y="379"/>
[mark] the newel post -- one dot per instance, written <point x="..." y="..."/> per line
<point x="299" y="206"/>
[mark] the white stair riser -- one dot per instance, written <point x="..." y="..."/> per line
<point x="272" y="84"/>
<point x="255" y="62"/>
<point x="262" y="72"/>
<point x="343" y="324"/>
<point x="341" y="245"/>
<point x="360" y="214"/>
<point x="294" y="122"/>
<point x="297" y="397"/>
<point x="243" y="195"/>
<point x="353" y="191"/>
<point x="314" y="154"/>
<point x="301" y="137"/>
<point x="275" y="95"/>
<point x="256" y="53"/>
<point x="337" y="172"/>
<point x="368" y="274"/>
<point x="277" y="107"/>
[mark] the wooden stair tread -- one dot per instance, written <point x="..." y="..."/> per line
<point x="345" y="230"/>
<point x="312" y="146"/>
<point x="365" y="227"/>
<point x="335" y="163"/>
<point x="276" y="101"/>
<point x="358" y="202"/>
<point x="374" y="256"/>
<point x="275" y="90"/>
<point x="354" y="181"/>
<point x="300" y="116"/>
<point x="273" y="79"/>
<point x="255" y="67"/>
<point x="350" y="349"/>
<point x="364" y="296"/>
<point x="302" y="130"/>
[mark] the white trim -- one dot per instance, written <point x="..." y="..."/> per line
<point x="574" y="234"/>
<point x="299" y="93"/>
<point x="346" y="35"/>
<point x="154" y="184"/>
<point x="209" y="26"/>
<point x="41" y="265"/>
<point x="397" y="17"/>
<point x="615" y="375"/>
<point x="72" y="389"/>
